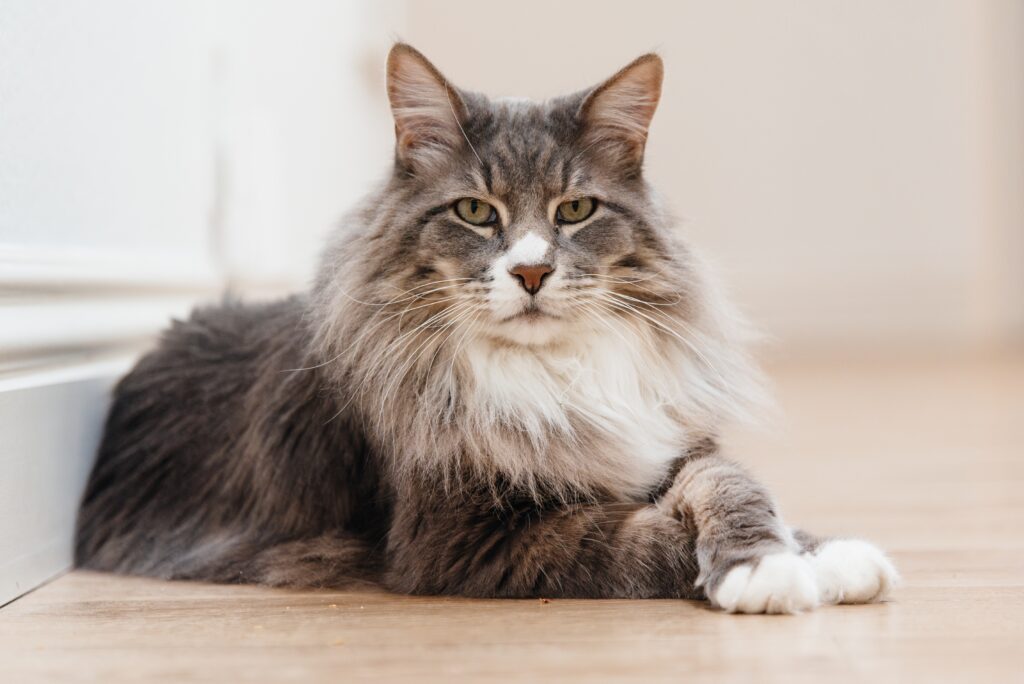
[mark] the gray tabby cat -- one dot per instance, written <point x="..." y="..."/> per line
<point x="507" y="380"/>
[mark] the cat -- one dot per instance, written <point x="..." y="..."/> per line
<point x="507" y="380"/>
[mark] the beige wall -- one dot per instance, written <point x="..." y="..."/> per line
<point x="853" y="167"/>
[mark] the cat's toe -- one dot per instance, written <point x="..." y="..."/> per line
<point x="777" y="583"/>
<point x="852" y="571"/>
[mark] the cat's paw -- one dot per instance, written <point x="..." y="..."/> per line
<point x="776" y="583"/>
<point x="852" y="571"/>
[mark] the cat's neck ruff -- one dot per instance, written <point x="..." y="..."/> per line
<point x="622" y="394"/>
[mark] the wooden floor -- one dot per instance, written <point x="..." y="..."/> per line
<point x="926" y="458"/>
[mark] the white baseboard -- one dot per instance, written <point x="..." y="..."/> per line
<point x="51" y="423"/>
<point x="26" y="572"/>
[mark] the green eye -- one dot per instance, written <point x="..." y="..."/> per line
<point x="476" y="212"/>
<point x="575" y="210"/>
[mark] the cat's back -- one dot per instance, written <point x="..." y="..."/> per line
<point x="233" y="332"/>
<point x="215" y="434"/>
<point x="204" y="369"/>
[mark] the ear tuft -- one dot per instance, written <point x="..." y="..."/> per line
<point x="428" y="111"/>
<point x="617" y="114"/>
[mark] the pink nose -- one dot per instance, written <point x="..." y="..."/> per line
<point x="531" y="277"/>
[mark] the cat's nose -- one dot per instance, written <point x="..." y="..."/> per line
<point x="531" y="277"/>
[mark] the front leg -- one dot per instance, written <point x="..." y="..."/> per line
<point x="751" y="562"/>
<point x="474" y="545"/>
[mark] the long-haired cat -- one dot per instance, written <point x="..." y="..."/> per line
<point x="507" y="380"/>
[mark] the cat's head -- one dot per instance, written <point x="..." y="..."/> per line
<point x="516" y="254"/>
<point x="526" y="217"/>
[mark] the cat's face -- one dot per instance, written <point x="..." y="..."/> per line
<point x="530" y="220"/>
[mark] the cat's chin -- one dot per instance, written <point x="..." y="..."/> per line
<point x="531" y="330"/>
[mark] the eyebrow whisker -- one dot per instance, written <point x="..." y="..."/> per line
<point x="458" y="123"/>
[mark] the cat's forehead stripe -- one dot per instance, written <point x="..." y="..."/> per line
<point x="530" y="249"/>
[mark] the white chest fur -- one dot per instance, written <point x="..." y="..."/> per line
<point x="626" y="396"/>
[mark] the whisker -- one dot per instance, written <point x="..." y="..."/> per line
<point x="644" y="301"/>
<point x="661" y="325"/>
<point x="372" y="327"/>
<point x="402" y="372"/>
<point x="473" y="325"/>
<point x="625" y="281"/>
<point x="411" y="292"/>
<point x="459" y="124"/>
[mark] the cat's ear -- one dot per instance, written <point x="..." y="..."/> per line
<point x="617" y="114"/>
<point x="428" y="111"/>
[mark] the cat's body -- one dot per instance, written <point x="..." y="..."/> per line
<point x="515" y="393"/>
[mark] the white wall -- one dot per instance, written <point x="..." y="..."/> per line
<point x="151" y="154"/>
<point x="855" y="167"/>
<point x="303" y="127"/>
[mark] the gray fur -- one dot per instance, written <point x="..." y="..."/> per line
<point x="334" y="436"/>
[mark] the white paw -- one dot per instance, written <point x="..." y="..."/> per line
<point x="778" y="583"/>
<point x="852" y="571"/>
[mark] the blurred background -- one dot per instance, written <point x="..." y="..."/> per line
<point x="855" y="169"/>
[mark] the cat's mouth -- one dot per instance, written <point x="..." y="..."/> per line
<point x="531" y="326"/>
<point x="531" y="312"/>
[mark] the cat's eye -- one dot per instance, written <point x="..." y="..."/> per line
<point x="476" y="212"/>
<point x="574" y="211"/>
